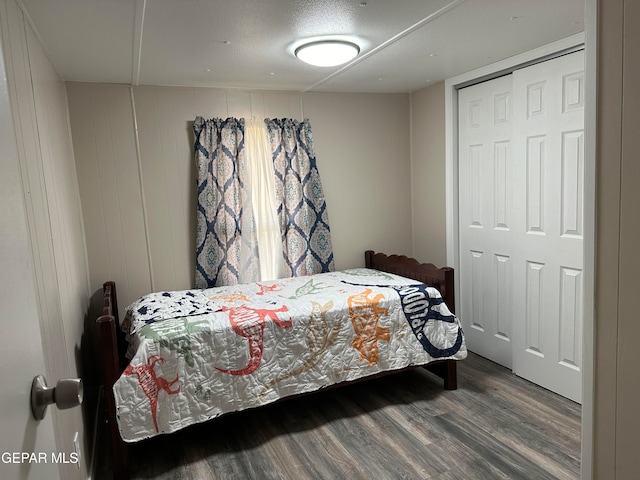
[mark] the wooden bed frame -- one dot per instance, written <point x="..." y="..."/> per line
<point x="113" y="344"/>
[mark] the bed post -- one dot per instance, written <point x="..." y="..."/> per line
<point x="447" y="370"/>
<point x="368" y="258"/>
<point x="110" y="357"/>
<point x="449" y="294"/>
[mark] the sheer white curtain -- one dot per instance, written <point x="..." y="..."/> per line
<point x="263" y="199"/>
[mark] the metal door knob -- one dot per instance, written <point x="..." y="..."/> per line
<point x="66" y="394"/>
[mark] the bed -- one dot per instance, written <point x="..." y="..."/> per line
<point x="180" y="358"/>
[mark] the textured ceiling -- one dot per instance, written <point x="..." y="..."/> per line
<point x="405" y="44"/>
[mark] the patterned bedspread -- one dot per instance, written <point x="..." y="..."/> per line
<point x="232" y="348"/>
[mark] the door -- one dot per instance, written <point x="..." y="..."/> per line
<point x="20" y="339"/>
<point x="521" y="151"/>
<point x="547" y="296"/>
<point x="485" y="217"/>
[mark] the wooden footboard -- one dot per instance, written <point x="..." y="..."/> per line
<point x="113" y="347"/>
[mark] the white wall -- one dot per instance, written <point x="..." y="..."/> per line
<point x="40" y="115"/>
<point x="428" y="180"/>
<point x="139" y="202"/>
<point x="362" y="145"/>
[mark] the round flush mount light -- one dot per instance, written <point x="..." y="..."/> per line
<point x="327" y="53"/>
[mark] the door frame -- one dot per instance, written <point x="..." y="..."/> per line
<point x="451" y="175"/>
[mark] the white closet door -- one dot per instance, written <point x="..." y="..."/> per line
<point x="521" y="167"/>
<point x="548" y="223"/>
<point x="486" y="217"/>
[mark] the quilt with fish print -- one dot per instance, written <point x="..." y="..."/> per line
<point x="231" y="348"/>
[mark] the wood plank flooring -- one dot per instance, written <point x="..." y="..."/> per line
<point x="404" y="426"/>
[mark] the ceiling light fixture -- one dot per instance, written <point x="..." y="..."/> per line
<point x="327" y="53"/>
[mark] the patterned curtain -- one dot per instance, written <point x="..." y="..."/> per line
<point x="225" y="235"/>
<point x="302" y="210"/>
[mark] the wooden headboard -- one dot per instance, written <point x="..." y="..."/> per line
<point x="440" y="278"/>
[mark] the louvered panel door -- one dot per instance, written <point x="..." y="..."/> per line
<point x="485" y="217"/>
<point x="548" y="137"/>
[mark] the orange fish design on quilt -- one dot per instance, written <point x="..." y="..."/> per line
<point x="365" y="315"/>
<point x="230" y="297"/>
